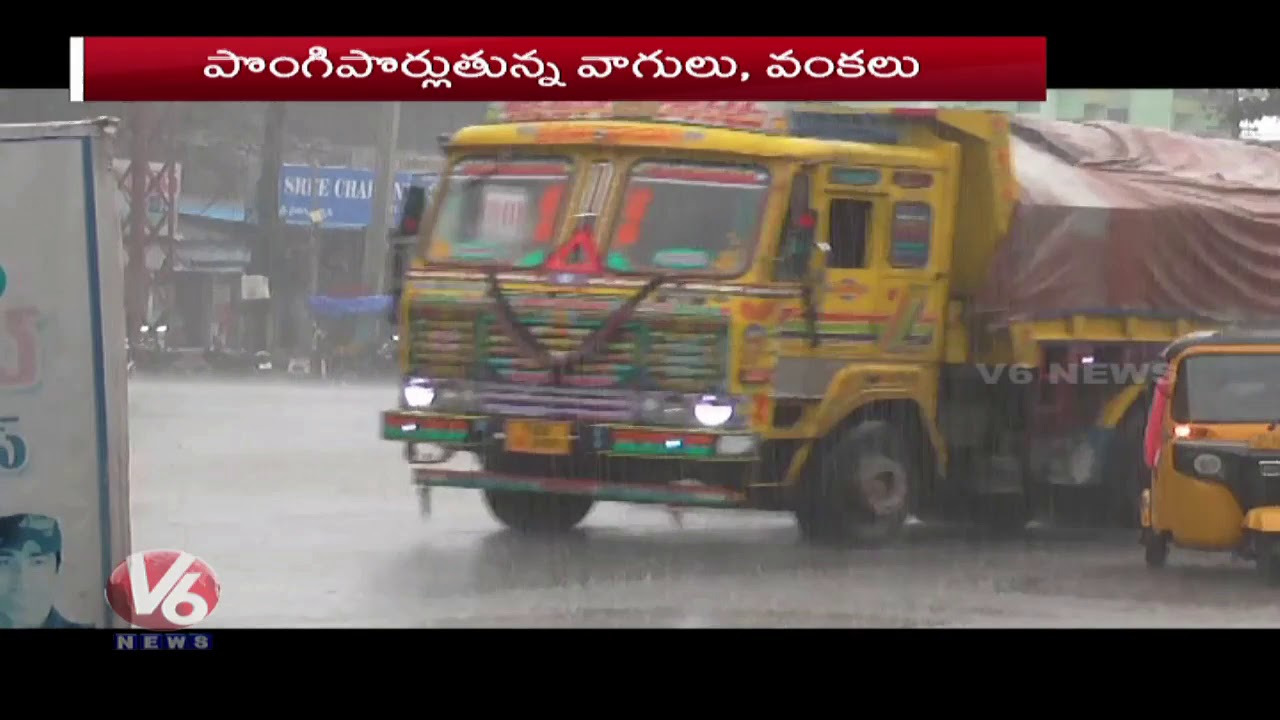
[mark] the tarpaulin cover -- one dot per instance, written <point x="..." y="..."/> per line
<point x="1121" y="219"/>
<point x="324" y="306"/>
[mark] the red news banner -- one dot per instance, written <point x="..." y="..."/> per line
<point x="558" y="68"/>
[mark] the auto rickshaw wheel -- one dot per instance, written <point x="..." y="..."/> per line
<point x="536" y="513"/>
<point x="1156" y="547"/>
<point x="863" y="489"/>
<point x="1267" y="556"/>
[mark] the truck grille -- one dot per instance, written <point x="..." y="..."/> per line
<point x="442" y="341"/>
<point x="562" y="334"/>
<point x="686" y="355"/>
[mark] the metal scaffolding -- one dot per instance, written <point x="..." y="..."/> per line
<point x="150" y="181"/>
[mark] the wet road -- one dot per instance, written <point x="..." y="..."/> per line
<point x="309" y="520"/>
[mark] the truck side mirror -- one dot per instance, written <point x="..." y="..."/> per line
<point x="801" y="244"/>
<point x="415" y="203"/>
<point x="800" y="234"/>
<point x="802" y="216"/>
<point x="400" y="244"/>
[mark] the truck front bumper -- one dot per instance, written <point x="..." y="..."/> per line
<point x="626" y="463"/>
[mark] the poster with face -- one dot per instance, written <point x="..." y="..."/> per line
<point x="63" y="456"/>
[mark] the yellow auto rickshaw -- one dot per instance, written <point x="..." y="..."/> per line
<point x="1215" y="480"/>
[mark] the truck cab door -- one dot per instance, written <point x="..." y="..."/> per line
<point x="850" y="223"/>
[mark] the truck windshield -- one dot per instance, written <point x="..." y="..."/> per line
<point x="688" y="217"/>
<point x="1241" y="388"/>
<point x="501" y="211"/>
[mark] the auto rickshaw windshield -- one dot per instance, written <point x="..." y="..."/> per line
<point x="1228" y="388"/>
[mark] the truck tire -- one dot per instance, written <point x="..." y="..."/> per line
<point x="863" y="489"/>
<point x="1125" y="474"/>
<point x="536" y="513"/>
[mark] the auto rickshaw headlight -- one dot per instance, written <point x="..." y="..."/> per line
<point x="1207" y="464"/>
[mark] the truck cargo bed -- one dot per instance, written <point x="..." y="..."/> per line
<point x="1116" y="218"/>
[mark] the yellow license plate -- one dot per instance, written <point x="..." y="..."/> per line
<point x="538" y="437"/>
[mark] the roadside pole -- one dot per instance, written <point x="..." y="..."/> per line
<point x="313" y="240"/>
<point x="137" y="284"/>
<point x="310" y="341"/>
<point x="375" y="240"/>
<point x="268" y="212"/>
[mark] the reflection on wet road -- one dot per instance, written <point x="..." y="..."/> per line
<point x="309" y="520"/>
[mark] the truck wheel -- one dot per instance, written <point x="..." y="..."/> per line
<point x="863" y="488"/>
<point x="537" y="513"/>
<point x="1156" y="549"/>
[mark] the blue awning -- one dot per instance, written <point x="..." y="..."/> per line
<point x="324" y="306"/>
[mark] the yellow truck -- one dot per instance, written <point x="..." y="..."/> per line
<point x="852" y="315"/>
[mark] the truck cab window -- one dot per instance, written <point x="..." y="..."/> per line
<point x="909" y="244"/>
<point x="848" y="232"/>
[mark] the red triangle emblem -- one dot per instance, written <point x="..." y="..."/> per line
<point x="579" y="255"/>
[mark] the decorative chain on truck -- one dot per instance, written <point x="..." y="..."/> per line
<point x="809" y="308"/>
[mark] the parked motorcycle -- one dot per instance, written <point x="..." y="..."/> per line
<point x="240" y="362"/>
<point x="152" y="353"/>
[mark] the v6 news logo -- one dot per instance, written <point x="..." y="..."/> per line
<point x="163" y="590"/>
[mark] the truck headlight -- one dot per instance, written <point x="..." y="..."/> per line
<point x="712" y="413"/>
<point x="418" y="393"/>
<point x="1207" y="464"/>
